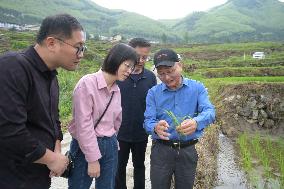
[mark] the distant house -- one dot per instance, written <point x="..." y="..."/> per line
<point x="10" y="26"/>
<point x="19" y="27"/>
<point x="258" y="55"/>
<point x="116" y="38"/>
<point x="104" y="38"/>
<point x="31" y="27"/>
<point x="154" y="42"/>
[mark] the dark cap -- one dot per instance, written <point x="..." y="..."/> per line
<point x="165" y="57"/>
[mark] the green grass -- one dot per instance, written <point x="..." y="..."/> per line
<point x="67" y="82"/>
<point x="265" y="152"/>
<point x="214" y="84"/>
<point x="240" y="72"/>
<point x="237" y="80"/>
<point x="240" y="47"/>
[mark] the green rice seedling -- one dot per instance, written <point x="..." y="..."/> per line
<point x="177" y="120"/>
<point x="268" y="144"/>
<point x="247" y="160"/>
<point x="255" y="181"/>
<point x="173" y="117"/>
<point x="245" y="153"/>
<point x="265" y="163"/>
<point x="256" y="143"/>
<point x="281" y="165"/>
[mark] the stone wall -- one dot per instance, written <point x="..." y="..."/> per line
<point x="252" y="107"/>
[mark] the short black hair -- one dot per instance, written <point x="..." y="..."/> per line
<point x="60" y="25"/>
<point x="139" y="42"/>
<point x="117" y="55"/>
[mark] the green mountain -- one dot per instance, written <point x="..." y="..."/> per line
<point x="96" y="19"/>
<point x="236" y="20"/>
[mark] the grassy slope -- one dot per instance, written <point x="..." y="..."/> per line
<point x="95" y="18"/>
<point x="236" y="20"/>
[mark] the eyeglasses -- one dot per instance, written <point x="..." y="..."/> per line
<point x="130" y="67"/>
<point x="145" y="57"/>
<point x="170" y="73"/>
<point x="80" y="49"/>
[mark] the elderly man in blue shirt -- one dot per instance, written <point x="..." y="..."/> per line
<point x="177" y="111"/>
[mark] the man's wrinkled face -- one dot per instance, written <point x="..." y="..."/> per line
<point x="171" y="76"/>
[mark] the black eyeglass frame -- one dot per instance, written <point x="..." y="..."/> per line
<point x="80" y="49"/>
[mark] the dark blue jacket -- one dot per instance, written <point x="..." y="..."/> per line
<point x="133" y="100"/>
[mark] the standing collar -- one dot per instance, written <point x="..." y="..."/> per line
<point x="142" y="73"/>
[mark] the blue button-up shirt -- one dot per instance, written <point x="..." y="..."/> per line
<point x="190" y="100"/>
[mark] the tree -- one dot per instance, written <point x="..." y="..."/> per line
<point x="164" y="38"/>
<point x="186" y="37"/>
<point x="96" y="37"/>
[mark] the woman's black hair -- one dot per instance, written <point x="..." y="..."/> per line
<point x="116" y="56"/>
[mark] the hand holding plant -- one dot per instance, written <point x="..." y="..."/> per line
<point x="187" y="127"/>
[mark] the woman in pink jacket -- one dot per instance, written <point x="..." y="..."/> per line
<point x="94" y="150"/>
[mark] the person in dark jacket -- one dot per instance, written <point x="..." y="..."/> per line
<point x="30" y="131"/>
<point x="131" y="136"/>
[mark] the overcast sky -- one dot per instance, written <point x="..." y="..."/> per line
<point x="161" y="9"/>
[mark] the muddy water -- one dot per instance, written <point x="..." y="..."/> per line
<point x="229" y="174"/>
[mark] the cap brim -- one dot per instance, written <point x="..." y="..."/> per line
<point x="165" y="63"/>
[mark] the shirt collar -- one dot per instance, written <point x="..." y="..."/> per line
<point x="141" y="75"/>
<point x="37" y="61"/>
<point x="102" y="82"/>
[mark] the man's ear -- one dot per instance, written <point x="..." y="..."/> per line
<point x="180" y="64"/>
<point x="50" y="43"/>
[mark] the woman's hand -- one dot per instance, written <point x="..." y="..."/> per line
<point x="94" y="169"/>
